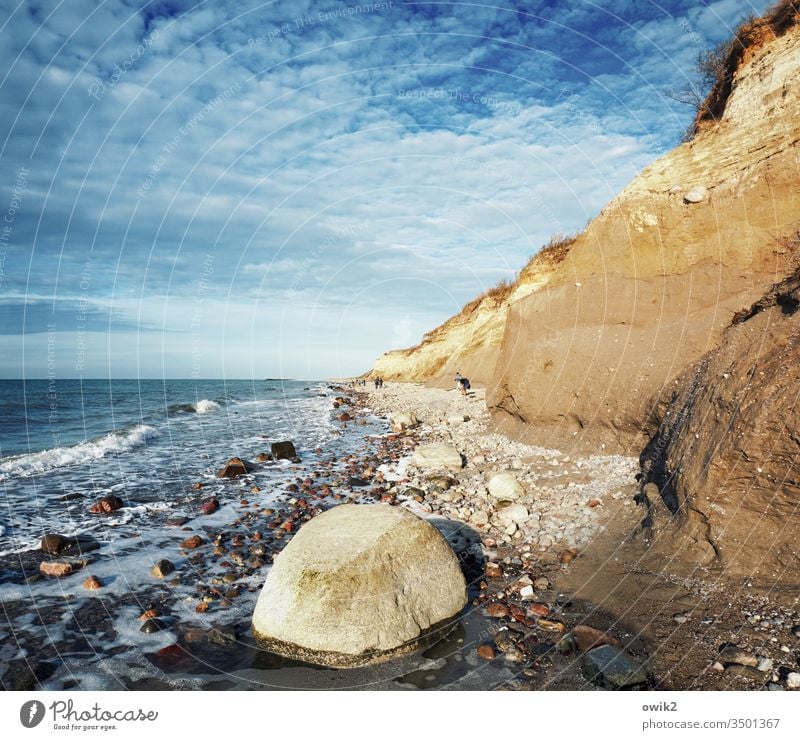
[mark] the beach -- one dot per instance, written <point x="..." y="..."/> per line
<point x="159" y="593"/>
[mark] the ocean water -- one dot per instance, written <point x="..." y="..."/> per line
<point x="143" y="440"/>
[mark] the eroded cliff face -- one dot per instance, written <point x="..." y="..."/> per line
<point x="586" y="361"/>
<point x="584" y="351"/>
<point x="722" y="473"/>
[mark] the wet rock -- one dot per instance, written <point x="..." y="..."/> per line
<point x="514" y="655"/>
<point x="106" y="505"/>
<point x="54" y="544"/>
<point x="223" y="636"/>
<point x="92" y="583"/>
<point x="234" y="468"/>
<point x="283" y="450"/>
<point x="541" y="584"/>
<point x="263" y="457"/>
<point x="486" y="651"/>
<point x="586" y="638"/>
<point x="193" y="542"/>
<point x="505" y="640"/>
<point x="354" y="560"/>
<point x="210" y="506"/>
<point x="437" y="456"/>
<point x="550" y="625"/>
<point x="493" y="570"/>
<point x="177" y="521"/>
<point x="162" y="569"/>
<point x="538" y="609"/>
<point x="149" y="626"/>
<point x="505" y="486"/>
<point x="613" y="668"/>
<point x="70" y="496"/>
<point x="497" y="610"/>
<point x="59" y="568"/>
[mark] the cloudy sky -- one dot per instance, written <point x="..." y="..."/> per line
<point x="290" y="188"/>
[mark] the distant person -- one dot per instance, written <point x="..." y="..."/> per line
<point x="462" y="384"/>
<point x="377" y="383"/>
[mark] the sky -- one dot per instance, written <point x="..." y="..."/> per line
<point x="291" y="188"/>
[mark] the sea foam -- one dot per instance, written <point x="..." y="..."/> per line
<point x="59" y="457"/>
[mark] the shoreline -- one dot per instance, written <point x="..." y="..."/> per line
<point x="544" y="564"/>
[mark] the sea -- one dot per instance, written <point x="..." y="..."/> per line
<point x="143" y="440"/>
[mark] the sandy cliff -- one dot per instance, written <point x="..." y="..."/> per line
<point x="585" y="349"/>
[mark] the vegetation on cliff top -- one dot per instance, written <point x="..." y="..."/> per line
<point x="718" y="66"/>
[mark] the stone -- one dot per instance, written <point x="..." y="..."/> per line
<point x="92" y="583"/>
<point x="497" y="610"/>
<point x="53" y="544"/>
<point x="567" y="556"/>
<point x="455" y="419"/>
<point x="106" y="505"/>
<point x="541" y="584"/>
<point x="696" y="195"/>
<point x="479" y="518"/>
<point x="436" y="456"/>
<point x="586" y="638"/>
<point x="731" y="654"/>
<point x="404" y="420"/>
<point x="193" y="542"/>
<point x="505" y="486"/>
<point x="613" y="668"/>
<point x="505" y="640"/>
<point x="359" y="584"/>
<point x="209" y="507"/>
<point x="765" y="665"/>
<point x="149" y="626"/>
<point x="59" y="568"/>
<point x="162" y="569"/>
<point x="493" y="570"/>
<point x="234" y="468"/>
<point x="283" y="450"/>
<point x="486" y="651"/>
<point x="526" y="592"/>
<point x="515" y="513"/>
<point x="745" y="671"/>
<point x="793" y="680"/>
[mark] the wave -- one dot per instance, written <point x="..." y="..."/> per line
<point x="205" y="406"/>
<point x="59" y="457"/>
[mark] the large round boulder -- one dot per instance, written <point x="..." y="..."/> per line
<point x="360" y="584"/>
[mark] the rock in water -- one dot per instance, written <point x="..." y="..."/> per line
<point x="360" y="584"/>
<point x="283" y="451"/>
<point x="613" y="668"/>
<point x="234" y="468"/>
<point x="53" y="544"/>
<point x="106" y="505"/>
<point x="435" y="456"/>
<point x="505" y="486"/>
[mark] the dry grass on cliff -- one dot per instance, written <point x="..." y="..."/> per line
<point x="718" y="66"/>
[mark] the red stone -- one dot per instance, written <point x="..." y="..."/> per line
<point x="106" y="505"/>
<point x="486" y="652"/>
<point x="497" y="610"/>
<point x="210" y="506"/>
<point x="190" y="543"/>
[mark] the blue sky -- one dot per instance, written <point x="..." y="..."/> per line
<point x="242" y="189"/>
